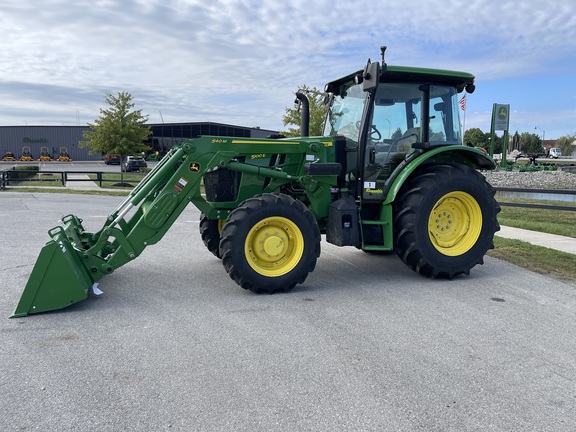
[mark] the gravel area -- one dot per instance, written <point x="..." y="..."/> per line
<point x="532" y="180"/>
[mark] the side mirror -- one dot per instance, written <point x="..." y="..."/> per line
<point x="370" y="76"/>
<point x="439" y="106"/>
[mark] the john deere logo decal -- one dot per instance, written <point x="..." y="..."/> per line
<point x="194" y="167"/>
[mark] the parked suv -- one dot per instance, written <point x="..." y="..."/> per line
<point x="134" y="163"/>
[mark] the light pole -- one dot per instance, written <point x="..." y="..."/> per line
<point x="543" y="137"/>
<point x="389" y="126"/>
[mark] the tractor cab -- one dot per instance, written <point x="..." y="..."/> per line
<point x="390" y="120"/>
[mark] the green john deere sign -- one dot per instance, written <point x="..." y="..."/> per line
<point x="35" y="140"/>
<point x="500" y="122"/>
<point x="501" y="117"/>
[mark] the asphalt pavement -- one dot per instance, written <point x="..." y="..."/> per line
<point x="365" y="344"/>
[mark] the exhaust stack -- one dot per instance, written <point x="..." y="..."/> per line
<point x="304" y="114"/>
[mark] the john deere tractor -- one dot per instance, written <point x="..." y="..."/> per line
<point x="389" y="174"/>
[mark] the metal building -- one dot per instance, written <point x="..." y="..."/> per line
<point x="164" y="136"/>
<point x="15" y="138"/>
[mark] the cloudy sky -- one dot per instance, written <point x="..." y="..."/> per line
<point x="240" y="61"/>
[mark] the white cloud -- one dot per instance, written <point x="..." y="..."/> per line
<point x="239" y="61"/>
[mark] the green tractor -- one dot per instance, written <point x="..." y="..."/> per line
<point x="389" y="174"/>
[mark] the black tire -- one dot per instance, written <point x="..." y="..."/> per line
<point x="445" y="220"/>
<point x="288" y="240"/>
<point x="210" y="234"/>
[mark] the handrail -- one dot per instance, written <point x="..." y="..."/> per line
<point x="537" y="191"/>
<point x="549" y="191"/>
<point x="6" y="177"/>
<point x="3" y="179"/>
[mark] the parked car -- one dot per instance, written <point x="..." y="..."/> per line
<point x="134" y="163"/>
<point x="112" y="159"/>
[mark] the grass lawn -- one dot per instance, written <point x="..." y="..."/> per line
<point x="558" y="222"/>
<point x="118" y="181"/>
<point x="41" y="179"/>
<point x="536" y="258"/>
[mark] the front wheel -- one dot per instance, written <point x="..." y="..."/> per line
<point x="210" y="233"/>
<point x="270" y="243"/>
<point x="445" y="220"/>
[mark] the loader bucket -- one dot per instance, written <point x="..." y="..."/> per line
<point x="58" y="279"/>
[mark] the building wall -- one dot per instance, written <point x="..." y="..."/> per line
<point x="13" y="138"/>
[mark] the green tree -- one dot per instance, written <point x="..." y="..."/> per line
<point x="565" y="144"/>
<point x="317" y="113"/>
<point x="476" y="138"/>
<point x="119" y="129"/>
<point x="397" y="134"/>
<point x="531" y="143"/>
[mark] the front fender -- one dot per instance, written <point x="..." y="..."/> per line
<point x="469" y="156"/>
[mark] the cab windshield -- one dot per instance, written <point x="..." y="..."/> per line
<point x="345" y="113"/>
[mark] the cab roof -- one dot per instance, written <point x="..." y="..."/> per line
<point x="412" y="74"/>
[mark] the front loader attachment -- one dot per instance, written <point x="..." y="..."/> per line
<point x="74" y="259"/>
<point x="58" y="279"/>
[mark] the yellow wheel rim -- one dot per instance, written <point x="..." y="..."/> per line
<point x="274" y="246"/>
<point x="455" y="223"/>
<point x="221" y="223"/>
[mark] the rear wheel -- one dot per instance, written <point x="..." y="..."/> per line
<point x="445" y="220"/>
<point x="270" y="243"/>
<point x="210" y="232"/>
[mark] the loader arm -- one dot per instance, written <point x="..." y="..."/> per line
<point x="74" y="259"/>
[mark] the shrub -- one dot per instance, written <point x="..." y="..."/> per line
<point x="24" y="171"/>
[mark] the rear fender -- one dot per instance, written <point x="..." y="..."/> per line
<point x="468" y="156"/>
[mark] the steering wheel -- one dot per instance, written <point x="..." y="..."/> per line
<point x="375" y="134"/>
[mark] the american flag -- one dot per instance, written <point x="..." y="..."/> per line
<point x="462" y="103"/>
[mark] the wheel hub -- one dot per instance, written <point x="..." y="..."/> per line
<point x="451" y="222"/>
<point x="274" y="246"/>
<point x="455" y="223"/>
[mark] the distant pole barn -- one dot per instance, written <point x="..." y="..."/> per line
<point x="163" y="137"/>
